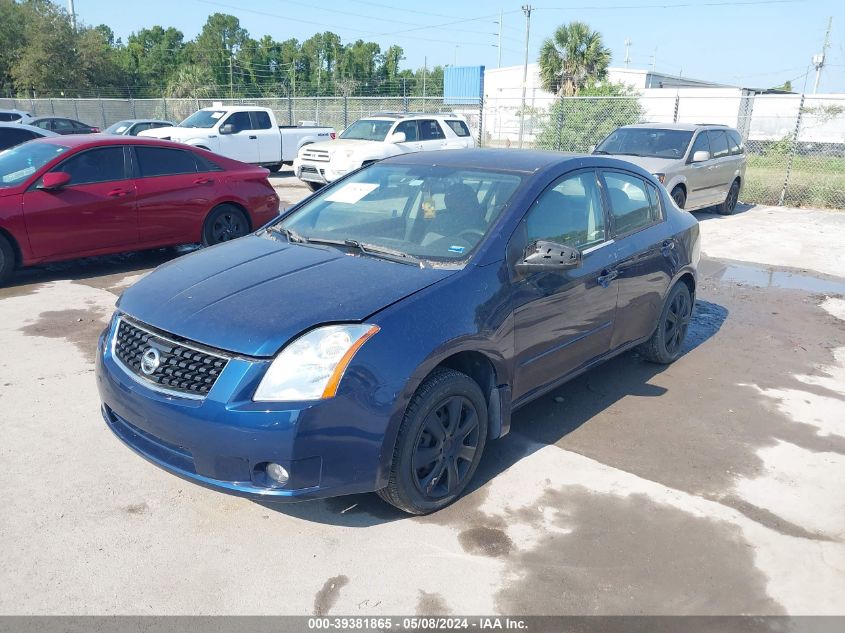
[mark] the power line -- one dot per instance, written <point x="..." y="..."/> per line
<point x="664" y="6"/>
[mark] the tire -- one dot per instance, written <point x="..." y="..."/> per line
<point x="729" y="205"/>
<point x="226" y="222"/>
<point x="7" y="259"/>
<point x="275" y="169"/>
<point x="665" y="344"/>
<point x="314" y="186"/>
<point x="679" y="197"/>
<point x="447" y="406"/>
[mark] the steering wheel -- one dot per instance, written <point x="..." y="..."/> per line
<point x="472" y="233"/>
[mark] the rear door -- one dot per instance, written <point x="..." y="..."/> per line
<point x="242" y="143"/>
<point x="462" y="136"/>
<point x="432" y="136"/>
<point x="96" y="210"/>
<point x="563" y="319"/>
<point x="644" y="251"/>
<point x="723" y="164"/>
<point x="269" y="138"/>
<point x="701" y="177"/>
<point x="176" y="189"/>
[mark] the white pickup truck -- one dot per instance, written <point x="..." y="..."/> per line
<point x="245" y="133"/>
<point x="376" y="137"/>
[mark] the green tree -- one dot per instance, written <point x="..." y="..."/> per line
<point x="191" y="80"/>
<point x="216" y="46"/>
<point x="47" y="61"/>
<point x="151" y="57"/>
<point x="573" y="124"/>
<point x="572" y="57"/>
<point x="11" y="42"/>
<point x="98" y="63"/>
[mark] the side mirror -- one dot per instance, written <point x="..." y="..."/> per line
<point x="54" y="180"/>
<point x="700" y="156"/>
<point x="549" y="256"/>
<point x="228" y="128"/>
<point x="396" y="137"/>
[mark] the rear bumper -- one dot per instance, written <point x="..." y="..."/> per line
<point x="224" y="440"/>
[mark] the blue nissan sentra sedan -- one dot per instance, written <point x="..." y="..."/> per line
<point x="376" y="336"/>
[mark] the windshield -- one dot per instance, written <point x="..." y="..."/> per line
<point x="203" y="118"/>
<point x="646" y="142"/>
<point x="367" y="130"/>
<point x="118" y="128"/>
<point x="426" y="212"/>
<point x="19" y="163"/>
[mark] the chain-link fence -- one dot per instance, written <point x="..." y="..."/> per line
<point x="795" y="144"/>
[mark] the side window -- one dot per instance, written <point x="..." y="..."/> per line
<point x="140" y="127"/>
<point x="158" y="161"/>
<point x="569" y="213"/>
<point x="97" y="165"/>
<point x="44" y="124"/>
<point x="701" y="144"/>
<point x="410" y="130"/>
<point x="9" y="137"/>
<point x="458" y="127"/>
<point x="8" y="116"/>
<point x="735" y="143"/>
<point x="430" y="130"/>
<point x="632" y="205"/>
<point x="60" y="125"/>
<point x="260" y="121"/>
<point x="718" y="143"/>
<point x="240" y="121"/>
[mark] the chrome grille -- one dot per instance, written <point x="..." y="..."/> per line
<point x="179" y="367"/>
<point x="320" y="155"/>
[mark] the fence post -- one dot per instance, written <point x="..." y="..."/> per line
<point x="290" y="109"/>
<point x="560" y="125"/>
<point x="132" y="103"/>
<point x="164" y="106"/>
<point x="52" y="107"/>
<point x="345" y="111"/>
<point x="102" y="112"/>
<point x="480" y="120"/>
<point x="792" y="151"/>
<point x="76" y="108"/>
<point x="677" y="106"/>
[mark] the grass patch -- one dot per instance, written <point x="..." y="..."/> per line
<point x="813" y="181"/>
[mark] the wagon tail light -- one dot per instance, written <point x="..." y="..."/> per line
<point x="95" y="130"/>
<point x="661" y="178"/>
<point x="333" y="135"/>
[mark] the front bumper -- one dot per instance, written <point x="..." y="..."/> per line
<point x="223" y="441"/>
<point x="317" y="171"/>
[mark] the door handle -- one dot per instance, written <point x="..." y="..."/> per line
<point x="203" y="181"/>
<point x="667" y="246"/>
<point x="253" y="137"/>
<point x="606" y="277"/>
<point x="117" y="193"/>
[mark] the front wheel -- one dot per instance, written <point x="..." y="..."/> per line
<point x="440" y="443"/>
<point x="664" y="346"/>
<point x="225" y="223"/>
<point x="275" y="169"/>
<point x="679" y="197"/>
<point x="729" y="205"/>
<point x="7" y="259"/>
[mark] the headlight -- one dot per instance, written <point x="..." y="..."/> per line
<point x="661" y="178"/>
<point x="311" y="367"/>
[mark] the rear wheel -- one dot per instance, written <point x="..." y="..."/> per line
<point x="664" y="346"/>
<point x="314" y="186"/>
<point x="679" y="197"/>
<point x="225" y="223"/>
<point x="7" y="259"/>
<point x="440" y="443"/>
<point x="729" y="205"/>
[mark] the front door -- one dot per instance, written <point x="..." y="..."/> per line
<point x="431" y="136"/>
<point x="95" y="210"/>
<point x="242" y="143"/>
<point x="563" y="319"/>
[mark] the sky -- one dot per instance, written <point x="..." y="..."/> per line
<point x="751" y="43"/>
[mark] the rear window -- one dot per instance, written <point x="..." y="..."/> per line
<point x="10" y="137"/>
<point x="458" y="127"/>
<point x="261" y="121"/>
<point x="9" y="116"/>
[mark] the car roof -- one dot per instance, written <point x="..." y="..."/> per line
<point x="64" y="118"/>
<point x="524" y="161"/>
<point x="395" y="116"/>
<point x="687" y="127"/>
<point x="133" y="121"/>
<point x="31" y="128"/>
<point x="74" y="141"/>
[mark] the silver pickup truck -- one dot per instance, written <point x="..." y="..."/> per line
<point x="246" y="133"/>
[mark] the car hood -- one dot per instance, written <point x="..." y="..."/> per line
<point x="651" y="164"/>
<point x="253" y="295"/>
<point x="340" y="144"/>
<point x="176" y="133"/>
<point x="9" y="191"/>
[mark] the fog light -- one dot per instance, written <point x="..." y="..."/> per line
<point x="277" y="473"/>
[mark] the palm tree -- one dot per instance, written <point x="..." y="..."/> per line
<point x="572" y="57"/>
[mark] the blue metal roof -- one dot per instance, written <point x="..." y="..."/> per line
<point x="463" y="84"/>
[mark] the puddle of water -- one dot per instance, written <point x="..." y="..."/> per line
<point x="766" y="278"/>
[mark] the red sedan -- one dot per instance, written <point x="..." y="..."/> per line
<point x="68" y="197"/>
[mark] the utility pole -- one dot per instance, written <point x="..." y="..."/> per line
<point x="499" y="60"/>
<point x="425" y="71"/>
<point x="72" y="14"/>
<point x="627" y="52"/>
<point x="526" y="9"/>
<point x="818" y="60"/>
<point x="231" y="78"/>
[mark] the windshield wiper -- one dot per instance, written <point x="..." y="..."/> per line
<point x="600" y="151"/>
<point x="293" y="236"/>
<point x="370" y="249"/>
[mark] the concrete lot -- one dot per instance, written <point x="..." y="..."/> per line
<point x="713" y="486"/>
